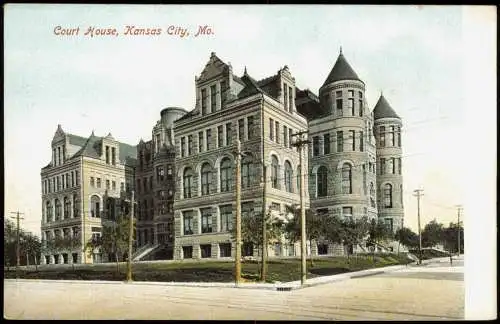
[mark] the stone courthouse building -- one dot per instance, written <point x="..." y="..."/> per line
<point x="184" y="175"/>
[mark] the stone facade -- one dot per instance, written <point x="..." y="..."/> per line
<point x="78" y="185"/>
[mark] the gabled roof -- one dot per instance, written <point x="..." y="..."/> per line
<point x="92" y="148"/>
<point x="383" y="109"/>
<point x="341" y="71"/>
<point x="251" y="86"/>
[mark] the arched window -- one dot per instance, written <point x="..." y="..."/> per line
<point x="58" y="209"/>
<point x="206" y="178"/>
<point x="75" y="206"/>
<point x="322" y="181"/>
<point x="274" y="172"/>
<point x="187" y="180"/>
<point x="226" y="174"/>
<point x="48" y="211"/>
<point x="346" y="179"/>
<point x="67" y="207"/>
<point x="288" y="176"/>
<point x="246" y="171"/>
<point x="95" y="207"/>
<point x="388" y="196"/>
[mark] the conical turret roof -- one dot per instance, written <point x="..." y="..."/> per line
<point x="341" y="71"/>
<point x="383" y="109"/>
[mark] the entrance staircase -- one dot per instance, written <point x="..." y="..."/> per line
<point x="144" y="251"/>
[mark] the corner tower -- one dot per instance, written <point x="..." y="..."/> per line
<point x="342" y="149"/>
<point x="387" y="128"/>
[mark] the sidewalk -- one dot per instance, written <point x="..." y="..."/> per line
<point x="285" y="286"/>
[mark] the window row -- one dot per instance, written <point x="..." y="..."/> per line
<point x="110" y="184"/>
<point x="322" y="180"/>
<point x="61" y="182"/>
<point x="146" y="210"/>
<point x="208" y="221"/>
<point x="393" y="136"/>
<point x="283" y="136"/>
<point x="321" y="145"/>
<point x="58" y="155"/>
<point x="110" y="155"/>
<point x="390" y="166"/>
<point x="58" y="209"/>
<point x="354" y="107"/>
<point x="224" y="137"/>
<point x="212" y="97"/>
<point x="69" y="232"/>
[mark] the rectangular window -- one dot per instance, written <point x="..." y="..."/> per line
<point x="222" y="92"/>
<point x="213" y="98"/>
<point x="209" y="138"/>
<point x="350" y="106"/>
<point x="206" y="220"/>
<point x="290" y="99"/>
<point x="271" y="129"/>
<point x="382" y="136"/>
<point x="290" y="138"/>
<point x="113" y="155"/>
<point x="220" y="136"/>
<point x="229" y="133"/>
<point x="225" y="250"/>
<point x="203" y="102"/>
<point x="326" y="143"/>
<point x="350" y="93"/>
<point x="72" y="179"/>
<point x="92" y="183"/>
<point x="392" y="137"/>
<point x="347" y="211"/>
<point x="285" y="136"/>
<point x="315" y="145"/>
<point x="200" y="142"/>
<point x="241" y="130"/>
<point x="338" y="102"/>
<point x="190" y="145"/>
<point x="399" y="136"/>
<point x="206" y="250"/>
<point x="277" y="132"/>
<point x="285" y="96"/>
<point x="160" y="174"/>
<point x="399" y="165"/>
<point x="108" y="185"/>
<point x="183" y="146"/>
<point x="77" y="178"/>
<point x="107" y="154"/>
<point x="382" y="166"/>
<point x="58" y="183"/>
<point x="188" y="217"/>
<point x="122" y="186"/>
<point x="226" y="218"/>
<point x="170" y="172"/>
<point x="353" y="137"/>
<point x="361" y="107"/>
<point x="361" y="142"/>
<point x="187" y="252"/>
<point x="393" y="165"/>
<point x="250" y="127"/>
<point x="340" y="141"/>
<point x="113" y="185"/>
<point x="67" y="180"/>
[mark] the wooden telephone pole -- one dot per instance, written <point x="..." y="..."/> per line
<point x="18" y="243"/>
<point x="237" y="257"/>
<point x="264" y="227"/>
<point x="418" y="194"/>
<point x="130" y="238"/>
<point x="459" y="209"/>
<point x="300" y="143"/>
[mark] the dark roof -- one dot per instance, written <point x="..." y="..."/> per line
<point x="383" y="109"/>
<point x="76" y="140"/>
<point x="251" y="87"/>
<point x="92" y="148"/>
<point x="308" y="104"/>
<point x="341" y="71"/>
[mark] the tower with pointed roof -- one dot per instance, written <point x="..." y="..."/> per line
<point x="342" y="152"/>
<point x="387" y="130"/>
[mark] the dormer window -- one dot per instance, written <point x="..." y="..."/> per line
<point x="203" y="101"/>
<point x="107" y="154"/>
<point x="113" y="156"/>
<point x="213" y="98"/>
<point x="285" y="96"/>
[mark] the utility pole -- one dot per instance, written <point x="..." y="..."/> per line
<point x="300" y="143"/>
<point x="418" y="194"/>
<point x="18" y="243"/>
<point x="264" y="227"/>
<point x="237" y="257"/>
<point x="459" y="209"/>
<point x="130" y="238"/>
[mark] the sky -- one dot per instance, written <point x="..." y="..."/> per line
<point x="434" y="64"/>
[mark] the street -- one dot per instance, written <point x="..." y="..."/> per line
<point x="428" y="292"/>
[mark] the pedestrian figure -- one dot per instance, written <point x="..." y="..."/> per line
<point x="451" y="259"/>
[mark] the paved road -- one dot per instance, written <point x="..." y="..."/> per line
<point x="430" y="292"/>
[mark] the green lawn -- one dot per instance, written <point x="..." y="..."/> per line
<point x="282" y="270"/>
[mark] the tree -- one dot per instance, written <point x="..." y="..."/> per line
<point x="315" y="226"/>
<point x="32" y="246"/>
<point x="251" y="229"/>
<point x="355" y="231"/>
<point x="378" y="232"/>
<point x="407" y="237"/>
<point x="450" y="238"/>
<point x="432" y="234"/>
<point x="29" y="244"/>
